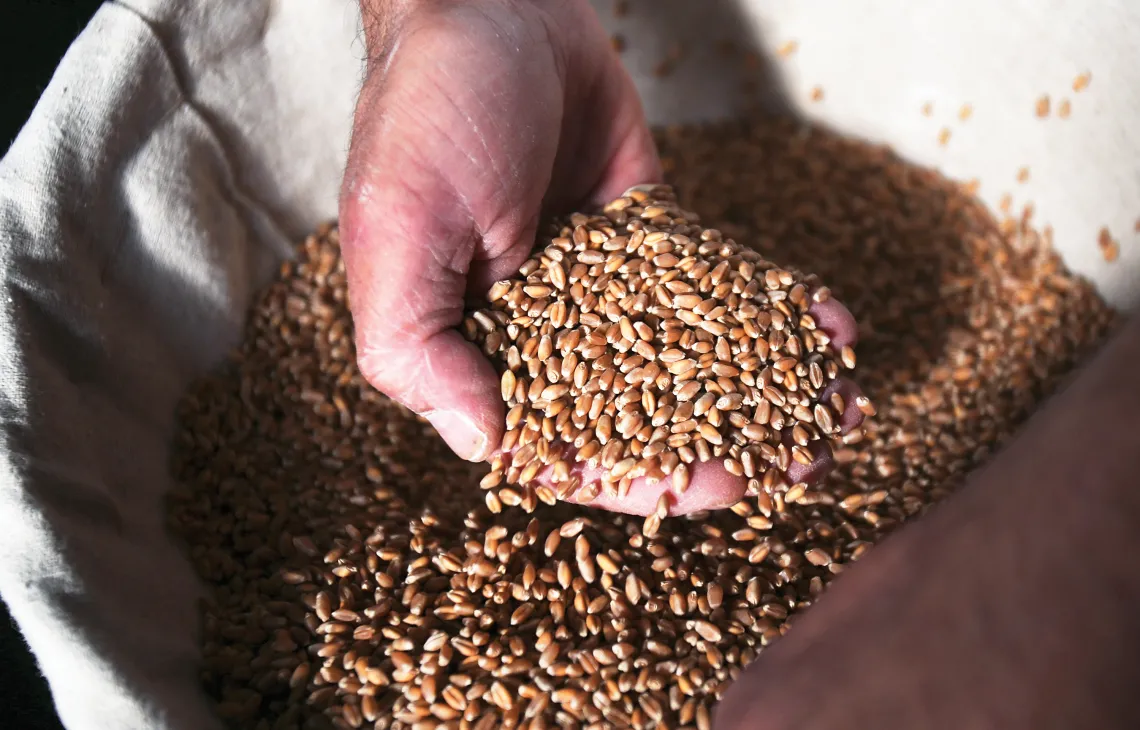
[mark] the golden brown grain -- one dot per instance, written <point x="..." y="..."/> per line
<point x="1082" y="81"/>
<point x="355" y="575"/>
<point x="1041" y="108"/>
<point x="1109" y="248"/>
<point x="675" y="336"/>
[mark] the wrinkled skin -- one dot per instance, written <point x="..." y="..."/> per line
<point x="475" y="119"/>
<point x="1014" y="605"/>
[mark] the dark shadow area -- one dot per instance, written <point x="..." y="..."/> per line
<point x="890" y="239"/>
<point x="695" y="62"/>
<point x="887" y="237"/>
<point x="34" y="35"/>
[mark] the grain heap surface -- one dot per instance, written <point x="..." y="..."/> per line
<point x="358" y="579"/>
<point x="639" y="341"/>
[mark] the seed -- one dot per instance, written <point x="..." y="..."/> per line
<point x="607" y="564"/>
<point x="818" y="556"/>
<point x="1081" y="82"/>
<point x="571" y="528"/>
<point x="708" y="631"/>
<point x="680" y="478"/>
<point x="1108" y="247"/>
<point x="508" y="385"/>
<point x="651" y="525"/>
<point x="787" y="48"/>
<point x="340" y="541"/>
<point x="1041" y="108"/>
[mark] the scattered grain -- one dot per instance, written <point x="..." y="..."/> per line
<point x="1109" y="248"/>
<point x="1081" y="82"/>
<point x="1042" y="107"/>
<point x="1064" y="108"/>
<point x="294" y="509"/>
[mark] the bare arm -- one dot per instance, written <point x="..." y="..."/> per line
<point x="1016" y="604"/>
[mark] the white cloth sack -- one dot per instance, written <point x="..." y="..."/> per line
<point x="183" y="146"/>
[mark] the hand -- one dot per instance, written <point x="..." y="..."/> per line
<point x="1013" y="605"/>
<point x="475" y="119"/>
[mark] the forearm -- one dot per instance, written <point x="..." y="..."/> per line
<point x="1057" y="519"/>
<point x="1014" y="604"/>
<point x="380" y="20"/>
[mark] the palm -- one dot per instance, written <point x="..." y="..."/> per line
<point x="476" y="118"/>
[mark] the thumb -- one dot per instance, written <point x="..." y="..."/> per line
<point x="408" y="248"/>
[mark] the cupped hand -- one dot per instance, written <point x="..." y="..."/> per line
<point x="476" y="119"/>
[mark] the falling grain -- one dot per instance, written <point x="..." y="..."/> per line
<point x="1109" y="248"/>
<point x="356" y="576"/>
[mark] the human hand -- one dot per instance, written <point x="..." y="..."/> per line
<point x="475" y="119"/>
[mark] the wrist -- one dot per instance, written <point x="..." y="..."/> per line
<point x="380" y="19"/>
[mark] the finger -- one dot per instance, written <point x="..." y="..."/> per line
<point x="712" y="488"/>
<point x="836" y="320"/>
<point x="438" y="183"/>
<point x="406" y="299"/>
<point x="408" y="241"/>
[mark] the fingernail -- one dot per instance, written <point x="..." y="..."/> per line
<point x="460" y="433"/>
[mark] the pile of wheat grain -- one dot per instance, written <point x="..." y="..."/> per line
<point x="358" y="579"/>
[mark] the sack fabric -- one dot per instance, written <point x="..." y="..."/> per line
<point x="182" y="146"/>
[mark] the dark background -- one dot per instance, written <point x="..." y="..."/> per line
<point x="34" y="34"/>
